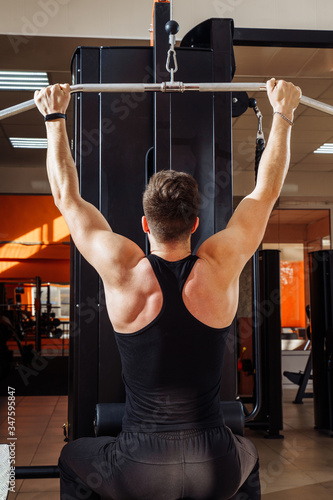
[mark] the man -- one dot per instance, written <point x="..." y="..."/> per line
<point x="171" y="313"/>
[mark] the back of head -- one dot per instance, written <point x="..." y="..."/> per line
<point x="171" y="204"/>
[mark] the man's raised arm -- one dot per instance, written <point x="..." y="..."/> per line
<point x="247" y="226"/>
<point x="90" y="231"/>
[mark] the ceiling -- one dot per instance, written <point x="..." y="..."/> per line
<point x="50" y="54"/>
<point x="311" y="69"/>
<point x="306" y="227"/>
<point x="298" y="216"/>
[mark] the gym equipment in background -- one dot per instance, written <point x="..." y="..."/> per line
<point x="321" y="300"/>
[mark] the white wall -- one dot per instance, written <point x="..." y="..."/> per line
<point x="28" y="180"/>
<point x="131" y="18"/>
<point x="298" y="185"/>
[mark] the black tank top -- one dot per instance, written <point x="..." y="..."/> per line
<point x="172" y="368"/>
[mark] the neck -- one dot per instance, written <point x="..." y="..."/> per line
<point x="171" y="251"/>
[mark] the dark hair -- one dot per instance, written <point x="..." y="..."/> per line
<point x="171" y="204"/>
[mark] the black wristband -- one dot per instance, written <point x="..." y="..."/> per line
<point x="54" y="116"/>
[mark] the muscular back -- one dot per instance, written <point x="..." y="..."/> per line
<point x="208" y="294"/>
<point x="132" y="291"/>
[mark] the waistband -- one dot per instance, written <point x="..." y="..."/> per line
<point x="178" y="435"/>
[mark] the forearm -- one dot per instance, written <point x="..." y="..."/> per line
<point x="61" y="168"/>
<point x="284" y="98"/>
<point x="275" y="160"/>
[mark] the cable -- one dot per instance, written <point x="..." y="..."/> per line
<point x="172" y="28"/>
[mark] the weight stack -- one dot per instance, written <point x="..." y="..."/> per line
<point x="321" y="302"/>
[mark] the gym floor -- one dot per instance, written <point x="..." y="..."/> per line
<point x="300" y="466"/>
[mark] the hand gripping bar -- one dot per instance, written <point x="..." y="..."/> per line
<point x="165" y="87"/>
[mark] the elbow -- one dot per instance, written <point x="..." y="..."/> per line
<point x="274" y="195"/>
<point x="58" y="198"/>
<point x="60" y="201"/>
<point x="65" y="201"/>
<point x="268" y="195"/>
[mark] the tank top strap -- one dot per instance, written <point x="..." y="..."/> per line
<point x="172" y="276"/>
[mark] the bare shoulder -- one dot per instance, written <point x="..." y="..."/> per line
<point x="131" y="275"/>
<point x="119" y="258"/>
<point x="232" y="247"/>
<point x="212" y="270"/>
<point x="218" y="254"/>
<point x="136" y="299"/>
<point x="211" y="292"/>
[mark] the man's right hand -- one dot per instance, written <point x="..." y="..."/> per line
<point x="53" y="99"/>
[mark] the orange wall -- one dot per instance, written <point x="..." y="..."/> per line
<point x="292" y="295"/>
<point x="34" y="239"/>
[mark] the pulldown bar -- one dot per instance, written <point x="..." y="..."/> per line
<point x="166" y="87"/>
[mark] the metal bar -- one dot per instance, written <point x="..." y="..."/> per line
<point x="304" y="378"/>
<point x="38" y="315"/>
<point x="113" y="87"/>
<point x="263" y="37"/>
<point x="19" y="108"/>
<point x="320" y="106"/>
<point x="166" y="87"/>
<point x="226" y="87"/>
<point x="36" y="472"/>
<point x="257" y="356"/>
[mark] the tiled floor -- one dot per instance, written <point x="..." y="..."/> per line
<point x="38" y="428"/>
<point x="298" y="467"/>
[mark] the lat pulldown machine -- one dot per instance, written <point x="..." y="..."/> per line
<point x="136" y="129"/>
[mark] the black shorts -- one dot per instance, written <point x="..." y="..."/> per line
<point x="196" y="464"/>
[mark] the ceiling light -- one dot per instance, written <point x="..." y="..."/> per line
<point x="23" y="80"/>
<point x="326" y="243"/>
<point x="28" y="143"/>
<point x="326" y="148"/>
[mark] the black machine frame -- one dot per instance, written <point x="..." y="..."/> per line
<point x="283" y="38"/>
<point x="162" y="155"/>
<point x="95" y="370"/>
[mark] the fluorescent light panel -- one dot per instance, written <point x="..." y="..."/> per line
<point x="326" y="148"/>
<point x="23" y="80"/>
<point x="28" y="143"/>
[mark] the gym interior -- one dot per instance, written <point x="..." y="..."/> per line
<point x="56" y="344"/>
